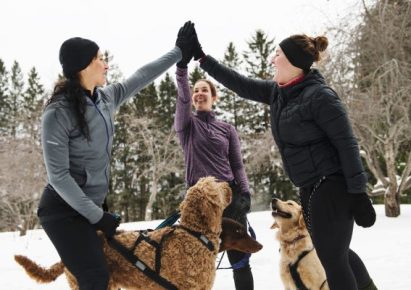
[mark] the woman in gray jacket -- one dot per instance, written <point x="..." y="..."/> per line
<point x="77" y="136"/>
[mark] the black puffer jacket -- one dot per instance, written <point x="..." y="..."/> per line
<point x="309" y="124"/>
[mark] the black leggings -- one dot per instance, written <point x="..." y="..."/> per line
<point x="327" y="215"/>
<point x="243" y="277"/>
<point x="80" y="249"/>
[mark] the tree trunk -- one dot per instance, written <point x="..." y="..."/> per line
<point x="151" y="199"/>
<point x="392" y="198"/>
<point x="392" y="203"/>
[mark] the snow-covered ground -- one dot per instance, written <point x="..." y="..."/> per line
<point x="385" y="248"/>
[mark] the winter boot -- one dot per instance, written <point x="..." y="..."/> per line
<point x="370" y="286"/>
<point x="243" y="278"/>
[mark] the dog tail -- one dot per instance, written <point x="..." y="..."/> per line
<point x="38" y="273"/>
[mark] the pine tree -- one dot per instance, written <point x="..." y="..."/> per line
<point x="32" y="105"/>
<point x="230" y="106"/>
<point x="4" y="105"/>
<point x="132" y="159"/>
<point x="121" y="197"/>
<point x="15" y="98"/>
<point x="260" y="48"/>
<point x="267" y="176"/>
<point x="196" y="75"/>
<point x="166" y="102"/>
<point x="144" y="103"/>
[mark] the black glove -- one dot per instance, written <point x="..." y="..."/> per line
<point x="244" y="202"/>
<point x="185" y="41"/>
<point x="198" y="51"/>
<point x="362" y="209"/>
<point x="108" y="224"/>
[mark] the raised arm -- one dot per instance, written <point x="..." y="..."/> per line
<point x="182" y="52"/>
<point x="122" y="91"/>
<point x="183" y="107"/>
<point x="248" y="88"/>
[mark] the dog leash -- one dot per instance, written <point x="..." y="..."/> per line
<point x="170" y="220"/>
<point x="308" y="214"/>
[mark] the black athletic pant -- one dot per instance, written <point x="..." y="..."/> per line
<point x="76" y="242"/>
<point x="327" y="215"/>
<point x="243" y="278"/>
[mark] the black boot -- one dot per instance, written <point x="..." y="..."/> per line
<point x="243" y="278"/>
<point x="370" y="286"/>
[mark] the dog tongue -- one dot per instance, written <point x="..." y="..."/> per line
<point x="277" y="212"/>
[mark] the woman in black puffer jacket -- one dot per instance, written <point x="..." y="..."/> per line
<point x="319" y="151"/>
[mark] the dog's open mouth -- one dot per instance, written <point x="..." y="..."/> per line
<point x="276" y="212"/>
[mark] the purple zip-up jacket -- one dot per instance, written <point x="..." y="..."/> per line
<point x="211" y="147"/>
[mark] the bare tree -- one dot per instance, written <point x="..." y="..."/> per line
<point x="372" y="72"/>
<point x="264" y="169"/>
<point x="164" y="153"/>
<point x="266" y="155"/>
<point x="22" y="177"/>
<point x="382" y="121"/>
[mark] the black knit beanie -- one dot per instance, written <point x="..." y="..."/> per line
<point x="296" y="54"/>
<point x="76" y="54"/>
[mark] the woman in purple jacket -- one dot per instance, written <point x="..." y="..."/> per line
<point x="212" y="148"/>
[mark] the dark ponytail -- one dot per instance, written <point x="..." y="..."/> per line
<point x="312" y="45"/>
<point x="73" y="92"/>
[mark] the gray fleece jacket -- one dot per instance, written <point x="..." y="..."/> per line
<point x="79" y="170"/>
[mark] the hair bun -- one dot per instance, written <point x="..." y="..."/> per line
<point x="320" y="43"/>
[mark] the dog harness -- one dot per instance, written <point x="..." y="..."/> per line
<point x="299" y="284"/>
<point x="129" y="255"/>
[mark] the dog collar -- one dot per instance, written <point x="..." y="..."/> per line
<point x="300" y="237"/>
<point x="201" y="237"/>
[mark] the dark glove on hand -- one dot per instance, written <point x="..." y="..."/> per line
<point x="362" y="209"/>
<point x="185" y="41"/>
<point x="108" y="224"/>
<point x="198" y="51"/>
<point x="244" y="202"/>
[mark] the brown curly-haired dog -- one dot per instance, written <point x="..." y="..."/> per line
<point x="185" y="261"/>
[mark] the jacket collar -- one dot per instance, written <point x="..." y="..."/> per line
<point x="293" y="91"/>
<point x="205" y="116"/>
<point x="92" y="98"/>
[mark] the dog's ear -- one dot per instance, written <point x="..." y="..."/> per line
<point x="275" y="225"/>
<point x="187" y="197"/>
<point x="182" y="206"/>
<point x="301" y="221"/>
<point x="228" y="193"/>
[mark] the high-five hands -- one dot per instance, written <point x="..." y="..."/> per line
<point x="185" y="41"/>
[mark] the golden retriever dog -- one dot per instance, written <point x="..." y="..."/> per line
<point x="186" y="262"/>
<point x="300" y="267"/>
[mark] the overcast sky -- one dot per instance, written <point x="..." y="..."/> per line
<point x="138" y="31"/>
